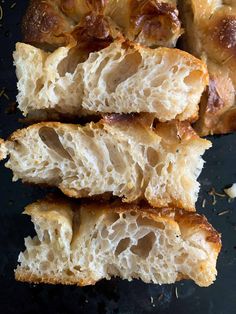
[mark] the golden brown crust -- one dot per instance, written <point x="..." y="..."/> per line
<point x="210" y="34"/>
<point x="52" y="23"/>
<point x="153" y="20"/>
<point x="224" y="33"/>
<point x="26" y="276"/>
<point x="182" y="130"/>
<point x="182" y="217"/>
<point x="44" y="23"/>
<point x="217" y="116"/>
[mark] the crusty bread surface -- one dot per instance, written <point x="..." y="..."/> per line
<point x="52" y="23"/>
<point x="121" y="78"/>
<point x="81" y="244"/>
<point x="210" y="34"/>
<point x="122" y="155"/>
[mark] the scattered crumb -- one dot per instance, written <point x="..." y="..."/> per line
<point x="160" y="297"/>
<point x="2" y="92"/>
<point x="1" y="13"/>
<point x="151" y="298"/>
<point x="6" y="96"/>
<point x="219" y="194"/>
<point x="223" y="213"/>
<point x="213" y="196"/>
<point x="86" y="301"/>
<point x="13" y="5"/>
<point x="176" y="293"/>
<point x="231" y="192"/>
<point x="213" y="193"/>
<point x="203" y="203"/>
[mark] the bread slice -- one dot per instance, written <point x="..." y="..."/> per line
<point x="210" y="34"/>
<point x="51" y="23"/>
<point x="122" y="78"/>
<point x="81" y="244"/>
<point x="121" y="155"/>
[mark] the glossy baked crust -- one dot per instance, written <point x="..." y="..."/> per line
<point x="189" y="223"/>
<point x="211" y="35"/>
<point x="54" y="23"/>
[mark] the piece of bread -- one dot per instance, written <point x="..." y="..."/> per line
<point x="52" y="23"/>
<point x="122" y="155"/>
<point x="81" y="244"/>
<point x="210" y="34"/>
<point x="122" y="78"/>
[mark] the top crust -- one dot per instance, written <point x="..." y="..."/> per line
<point x="52" y="23"/>
<point x="52" y="208"/>
<point x="210" y="34"/>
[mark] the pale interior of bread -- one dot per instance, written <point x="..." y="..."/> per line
<point x="94" y="245"/>
<point x="127" y="159"/>
<point x="117" y="79"/>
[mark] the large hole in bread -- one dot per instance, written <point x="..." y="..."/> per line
<point x="39" y="85"/>
<point x="152" y="157"/>
<point x="69" y="64"/>
<point x="145" y="221"/>
<point x="113" y="217"/>
<point x="115" y="158"/>
<point x="125" y="69"/>
<point x="193" y="78"/>
<point x="122" y="246"/>
<point x="144" y="245"/>
<point x="50" y="138"/>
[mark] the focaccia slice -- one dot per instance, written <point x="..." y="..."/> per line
<point x="121" y="78"/>
<point x="120" y="155"/>
<point x="81" y="244"/>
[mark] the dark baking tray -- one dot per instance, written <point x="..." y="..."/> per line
<point x="114" y="296"/>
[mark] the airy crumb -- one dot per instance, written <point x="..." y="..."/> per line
<point x="176" y="293"/>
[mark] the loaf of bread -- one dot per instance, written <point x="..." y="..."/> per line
<point x="81" y="244"/>
<point x="52" y="23"/>
<point x="122" y="78"/>
<point x="122" y="155"/>
<point x="210" y="34"/>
